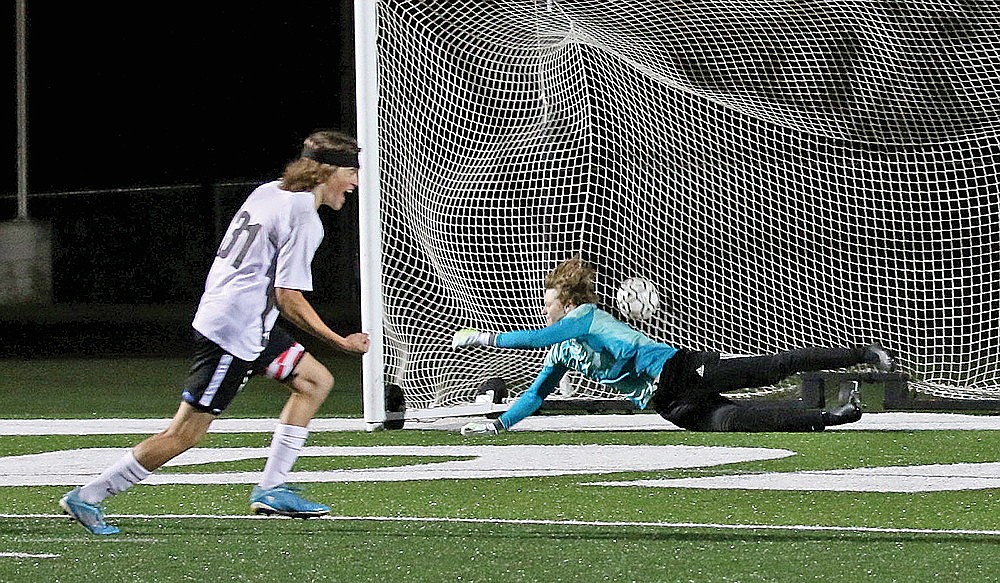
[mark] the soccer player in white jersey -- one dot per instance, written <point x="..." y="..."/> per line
<point x="683" y="386"/>
<point x="261" y="268"/>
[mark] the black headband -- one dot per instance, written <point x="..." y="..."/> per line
<point x="333" y="157"/>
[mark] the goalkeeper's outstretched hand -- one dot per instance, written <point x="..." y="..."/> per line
<point x="474" y="428"/>
<point x="472" y="337"/>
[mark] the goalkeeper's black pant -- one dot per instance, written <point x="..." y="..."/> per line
<point x="690" y="386"/>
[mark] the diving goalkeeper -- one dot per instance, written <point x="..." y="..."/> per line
<point x="684" y="386"/>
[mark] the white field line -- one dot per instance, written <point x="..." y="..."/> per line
<point x="85" y="538"/>
<point x="29" y="556"/>
<point x="890" y="421"/>
<point x="536" y="522"/>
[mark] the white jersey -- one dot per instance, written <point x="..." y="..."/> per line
<point x="270" y="243"/>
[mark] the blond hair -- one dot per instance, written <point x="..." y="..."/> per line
<point x="305" y="174"/>
<point x="574" y="279"/>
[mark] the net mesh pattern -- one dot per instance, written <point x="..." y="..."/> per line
<point x="788" y="174"/>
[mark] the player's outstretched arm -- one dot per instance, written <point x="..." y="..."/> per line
<point x="525" y="405"/>
<point x="296" y="308"/>
<point x="565" y="329"/>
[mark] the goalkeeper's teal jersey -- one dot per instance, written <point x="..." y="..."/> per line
<point x="593" y="342"/>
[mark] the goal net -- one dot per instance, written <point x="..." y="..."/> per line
<point x="788" y="174"/>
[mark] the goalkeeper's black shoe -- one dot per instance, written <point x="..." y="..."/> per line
<point x="878" y="357"/>
<point x="849" y="412"/>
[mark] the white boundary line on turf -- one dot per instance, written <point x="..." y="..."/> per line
<point x="891" y="421"/>
<point x="538" y="522"/>
<point x="88" y="538"/>
<point x="29" y="556"/>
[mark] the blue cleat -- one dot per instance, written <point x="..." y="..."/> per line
<point x="89" y="515"/>
<point x="283" y="500"/>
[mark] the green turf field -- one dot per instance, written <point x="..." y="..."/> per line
<point x="530" y="528"/>
<point x="147" y="388"/>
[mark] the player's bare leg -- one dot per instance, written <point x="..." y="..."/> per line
<point x="84" y="503"/>
<point x="185" y="431"/>
<point x="310" y="385"/>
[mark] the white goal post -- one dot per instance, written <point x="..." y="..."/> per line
<point x="787" y="174"/>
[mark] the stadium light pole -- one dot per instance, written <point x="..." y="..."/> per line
<point x="369" y="212"/>
<point x="20" y="25"/>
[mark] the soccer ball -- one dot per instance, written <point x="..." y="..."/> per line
<point x="637" y="298"/>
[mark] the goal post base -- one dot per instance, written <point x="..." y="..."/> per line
<point x="467" y="410"/>
<point x="906" y="399"/>
<point x="899" y="396"/>
<point x="588" y="405"/>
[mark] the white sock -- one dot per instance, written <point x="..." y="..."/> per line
<point x="121" y="476"/>
<point x="285" y="447"/>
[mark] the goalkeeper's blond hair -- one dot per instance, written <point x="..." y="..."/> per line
<point x="574" y="279"/>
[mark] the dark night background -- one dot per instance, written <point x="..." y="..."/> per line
<point x="204" y="99"/>
<point x="127" y="94"/>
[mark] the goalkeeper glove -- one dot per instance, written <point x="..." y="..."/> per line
<point x="491" y="428"/>
<point x="471" y="336"/>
